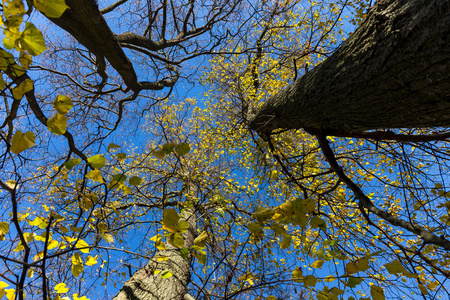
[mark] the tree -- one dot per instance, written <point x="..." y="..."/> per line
<point x="128" y="178"/>
<point x="390" y="73"/>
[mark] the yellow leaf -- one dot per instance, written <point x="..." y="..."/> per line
<point x="107" y="237"/>
<point x="57" y="124"/>
<point x="83" y="246"/>
<point x="166" y="274"/>
<point x="317" y="264"/>
<point x="62" y="104"/>
<point x="423" y="289"/>
<point x="30" y="273"/>
<point x="176" y="240"/>
<point x="90" y="261"/>
<point x="201" y="239"/>
<point x="95" y="175"/>
<point x="4" y="228"/>
<point x="22" y="141"/>
<point x="32" y="40"/>
<point x="61" y="288"/>
<point x="75" y="297"/>
<point x="51" y="8"/>
<point x="272" y="298"/>
<point x="10" y="294"/>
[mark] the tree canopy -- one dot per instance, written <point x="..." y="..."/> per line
<point x="225" y="149"/>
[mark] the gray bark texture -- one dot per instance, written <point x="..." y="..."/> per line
<point x="146" y="285"/>
<point x="392" y="72"/>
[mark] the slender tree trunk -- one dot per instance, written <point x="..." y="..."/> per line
<point x="146" y="285"/>
<point x="392" y="72"/>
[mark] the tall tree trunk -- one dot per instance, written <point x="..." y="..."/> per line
<point x="392" y="72"/>
<point x="146" y="285"/>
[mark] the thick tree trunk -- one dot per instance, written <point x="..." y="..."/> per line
<point x="392" y="72"/>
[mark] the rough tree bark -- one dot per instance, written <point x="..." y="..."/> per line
<point x="392" y="72"/>
<point x="146" y="285"/>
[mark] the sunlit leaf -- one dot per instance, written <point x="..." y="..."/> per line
<point x="22" y="141"/>
<point x="112" y="146"/>
<point x="32" y="40"/>
<point x="4" y="228"/>
<point x="97" y="161"/>
<point x="61" y="288"/>
<point x="24" y="87"/>
<point x="51" y="8"/>
<point x="310" y="280"/>
<point x="57" y="124"/>
<point x="83" y="246"/>
<point x="95" y="175"/>
<point x="90" y="261"/>
<point x="108" y="237"/>
<point x="176" y="240"/>
<point x="201" y="239"/>
<point x="62" y="104"/>
<point x="317" y="264"/>
<point x="166" y="274"/>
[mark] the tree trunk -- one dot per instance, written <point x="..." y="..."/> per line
<point x="146" y="285"/>
<point x="392" y="72"/>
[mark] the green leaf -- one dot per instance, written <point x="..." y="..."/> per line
<point x="119" y="178"/>
<point x="25" y="60"/>
<point x="112" y="146"/>
<point x="57" y="124"/>
<point x="135" y="180"/>
<point x="22" y="141"/>
<point x="353" y="281"/>
<point x="286" y="243"/>
<point x="170" y="219"/>
<point x="184" y="252"/>
<point x="182" y="149"/>
<point x="51" y="8"/>
<point x="166" y="274"/>
<point x="97" y="161"/>
<point x="168" y="147"/>
<point x="62" y="104"/>
<point x="317" y="222"/>
<point x="310" y="280"/>
<point x="201" y="257"/>
<point x="6" y="59"/>
<point x="182" y="226"/>
<point x="121" y="155"/>
<point x="263" y="214"/>
<point x="24" y="87"/>
<point x="159" y="154"/>
<point x="71" y="163"/>
<point x="201" y="239"/>
<point x="95" y="175"/>
<point x="32" y="40"/>
<point x="176" y="240"/>
<point x="77" y="269"/>
<point x="377" y="293"/>
<point x="255" y="228"/>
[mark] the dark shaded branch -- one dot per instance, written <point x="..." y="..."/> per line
<point x="424" y="234"/>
